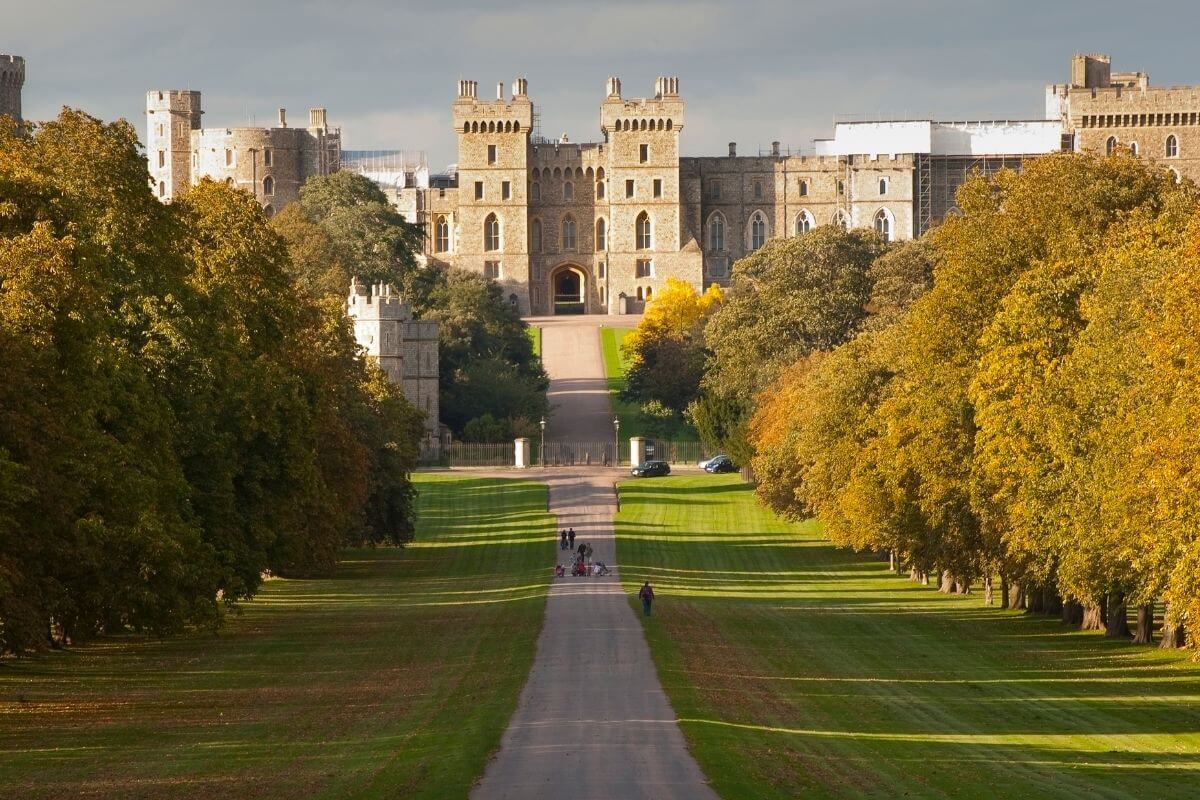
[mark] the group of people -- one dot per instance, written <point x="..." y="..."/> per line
<point x="581" y="559"/>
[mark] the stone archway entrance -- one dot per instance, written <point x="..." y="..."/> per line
<point x="568" y="288"/>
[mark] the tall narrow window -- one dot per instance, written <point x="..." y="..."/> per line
<point x="267" y="156"/>
<point x="1133" y="149"/>
<point x="716" y="233"/>
<point x="841" y="187"/>
<point x="601" y="235"/>
<point x="535" y="191"/>
<point x="758" y="190"/>
<point x="491" y="233"/>
<point x="506" y="190"/>
<point x="883" y="186"/>
<point x="162" y="158"/>
<point x="658" y="187"/>
<point x="162" y="189"/>
<point x="491" y="154"/>
<point x="441" y="235"/>
<point x="629" y="187"/>
<point x="643" y="153"/>
<point x="1172" y="146"/>
<point x="268" y="210"/>
<point x="568" y="233"/>
<point x="599" y="190"/>
<point x="643" y="231"/>
<point x="883" y="225"/>
<point x="228" y="157"/>
<point x="1110" y="145"/>
<point x="491" y="270"/>
<point x="568" y="191"/>
<point x="758" y="230"/>
<point x="268" y="186"/>
<point x="714" y="190"/>
<point x="535" y="233"/>
<point x="804" y="188"/>
<point x="478" y="190"/>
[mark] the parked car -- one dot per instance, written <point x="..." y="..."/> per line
<point x="651" y="469"/>
<point x="719" y="464"/>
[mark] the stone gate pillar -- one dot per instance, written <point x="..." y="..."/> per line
<point x="637" y="451"/>
<point x="521" y="453"/>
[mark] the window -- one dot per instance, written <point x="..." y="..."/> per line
<point x="162" y="158"/>
<point x="229" y="181"/>
<point x="268" y="186"/>
<point x="758" y="190"/>
<point x="883" y="224"/>
<point x="1110" y="145"/>
<point x="716" y="233"/>
<point x="714" y="190"/>
<point x="228" y="158"/>
<point x="478" y="190"/>
<point x="641" y="293"/>
<point x="441" y="235"/>
<point x="162" y="189"/>
<point x="758" y="230"/>
<point x="1172" y="147"/>
<point x="535" y="191"/>
<point x="568" y="233"/>
<point x="568" y="191"/>
<point x="643" y="153"/>
<point x="658" y="187"/>
<point x="506" y="191"/>
<point x="883" y="186"/>
<point x="195" y="159"/>
<point x="841" y="220"/>
<point x="535" y="234"/>
<point x="1133" y="149"/>
<point x="643" y="231"/>
<point x="804" y="222"/>
<point x="644" y="268"/>
<point x="491" y="233"/>
<point x="804" y="188"/>
<point x="599" y="190"/>
<point x="601" y="235"/>
<point x="629" y="188"/>
<point x="267" y="157"/>
<point x="269" y="210"/>
<point x="491" y="154"/>
<point x="649" y="292"/>
<point x="841" y="187"/>
<point x="491" y="270"/>
<point x="603" y="269"/>
<point x="160" y="125"/>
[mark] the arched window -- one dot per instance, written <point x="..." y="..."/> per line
<point x="804" y="222"/>
<point x="568" y="233"/>
<point x="1133" y="149"/>
<point x="758" y="190"/>
<point x="649" y="292"/>
<point x="568" y="191"/>
<point x="441" y="235"/>
<point x="1110" y="145"/>
<point x="804" y="188"/>
<point x="491" y="233"/>
<point x="841" y="187"/>
<point x="716" y="233"/>
<point x="883" y="224"/>
<point x="269" y="210"/>
<point x="758" y="230"/>
<point x="883" y="186"/>
<point x="601" y="235"/>
<point x="162" y="189"/>
<point x="599" y="190"/>
<point x="268" y="186"/>
<point x="1175" y="172"/>
<point x="841" y="220"/>
<point x="229" y="181"/>
<point x="643" y="231"/>
<point x="535" y="191"/>
<point x="1172" y="146"/>
<point x="535" y="235"/>
<point x="641" y="293"/>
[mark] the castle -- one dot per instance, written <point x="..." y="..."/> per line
<point x="406" y="349"/>
<point x="270" y="163"/>
<point x="12" y="78"/>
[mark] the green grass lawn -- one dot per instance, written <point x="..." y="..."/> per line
<point x="800" y="670"/>
<point x="535" y="338"/>
<point x="395" y="678"/>
<point x="633" y="422"/>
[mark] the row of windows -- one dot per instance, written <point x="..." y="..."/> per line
<point x="714" y="188"/>
<point x="1170" y="146"/>
<point x="568" y="190"/>
<point x="1140" y="120"/>
<point x="579" y="173"/>
<point x="492" y="126"/>
<point x="644" y="125"/>
<point x="758" y="229"/>
<point x="492" y="239"/>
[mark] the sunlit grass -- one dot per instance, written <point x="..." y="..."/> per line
<point x="394" y="678"/>
<point x="799" y="670"/>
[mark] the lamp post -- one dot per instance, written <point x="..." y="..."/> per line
<point x="543" y="446"/>
<point x="617" y="441"/>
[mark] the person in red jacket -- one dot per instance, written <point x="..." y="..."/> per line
<point x="647" y="596"/>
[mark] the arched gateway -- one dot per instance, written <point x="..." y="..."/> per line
<point x="568" y="287"/>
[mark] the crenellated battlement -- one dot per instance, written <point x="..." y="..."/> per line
<point x="12" y="78"/>
<point x="662" y="112"/>
<point x="513" y="115"/>
<point x="376" y="301"/>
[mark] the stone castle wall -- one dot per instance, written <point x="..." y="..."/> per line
<point x="12" y="79"/>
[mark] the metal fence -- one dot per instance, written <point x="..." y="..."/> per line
<point x="569" y="454"/>
<point x="676" y="452"/>
<point x="470" y="454"/>
<point x="557" y="454"/>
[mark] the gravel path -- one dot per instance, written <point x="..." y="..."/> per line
<point x="593" y="720"/>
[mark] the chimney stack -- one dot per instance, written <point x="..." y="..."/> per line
<point x="614" y="87"/>
<point x="283" y="117"/>
<point x="733" y="148"/>
<point x="499" y="90"/>
<point x="520" y="87"/>
<point x="316" y="118"/>
<point x="775" y="149"/>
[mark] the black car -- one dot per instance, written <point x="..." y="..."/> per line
<point x="651" y="469"/>
<point x="720" y="464"/>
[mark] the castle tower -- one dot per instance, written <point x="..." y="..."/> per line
<point x="406" y="349"/>
<point x="644" y="185"/>
<point x="12" y="78"/>
<point x="171" y="116"/>
<point x="492" y="235"/>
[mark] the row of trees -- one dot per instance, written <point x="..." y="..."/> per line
<point x="1029" y="419"/>
<point x="492" y="386"/>
<point x="182" y="408"/>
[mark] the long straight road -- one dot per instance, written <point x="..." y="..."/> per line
<point x="593" y="720"/>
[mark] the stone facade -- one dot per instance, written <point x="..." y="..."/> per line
<point x="271" y="163"/>
<point x="12" y="78"/>
<point x="1101" y="110"/>
<point x="406" y="349"/>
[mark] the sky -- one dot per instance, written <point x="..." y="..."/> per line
<point x="751" y="72"/>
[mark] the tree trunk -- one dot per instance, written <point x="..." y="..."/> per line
<point x="1036" y="603"/>
<point x="1016" y="595"/>
<point x="1173" y="637"/>
<point x="947" y="584"/>
<point x="1145" y="625"/>
<point x="1072" y="613"/>
<point x="916" y="576"/>
<point x="987" y="590"/>
<point x="891" y="560"/>
<point x="1116" y="626"/>
<point x="1093" y="617"/>
<point x="1003" y="590"/>
<point x="1053" y="603"/>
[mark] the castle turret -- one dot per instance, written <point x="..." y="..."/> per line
<point x="171" y="116"/>
<point x="12" y="78"/>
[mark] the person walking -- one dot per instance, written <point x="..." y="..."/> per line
<point x="562" y="540"/>
<point x="588" y="553"/>
<point x="647" y="597"/>
<point x="571" y="537"/>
